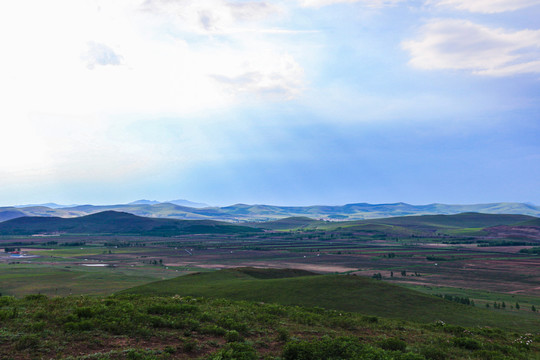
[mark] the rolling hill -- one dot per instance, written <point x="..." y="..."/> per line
<point x="112" y="222"/>
<point x="338" y="292"/>
<point x="424" y="224"/>
<point x="182" y="209"/>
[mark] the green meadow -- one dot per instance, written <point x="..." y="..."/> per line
<point x="60" y="280"/>
<point x="151" y="324"/>
<point x="339" y="292"/>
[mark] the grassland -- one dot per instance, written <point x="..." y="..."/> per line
<point x="183" y="327"/>
<point x="338" y="292"/>
<point x="431" y="254"/>
<point x="62" y="280"/>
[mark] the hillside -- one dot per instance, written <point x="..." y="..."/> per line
<point x="179" y="209"/>
<point x="127" y="327"/>
<point x="112" y="222"/>
<point x="403" y="224"/>
<point x="338" y="292"/>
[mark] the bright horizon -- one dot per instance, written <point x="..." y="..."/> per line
<point x="298" y="102"/>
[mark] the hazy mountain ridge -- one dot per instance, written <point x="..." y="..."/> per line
<point x="113" y="222"/>
<point x="261" y="212"/>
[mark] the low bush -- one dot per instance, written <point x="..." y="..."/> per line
<point x="235" y="351"/>
<point x="393" y="344"/>
<point x="434" y="353"/>
<point x="466" y="343"/>
<point x="232" y="336"/>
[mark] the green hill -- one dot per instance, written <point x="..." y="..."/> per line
<point x="290" y="223"/>
<point x="463" y="220"/>
<point x="339" y="292"/>
<point x="403" y="224"/>
<point x="532" y="222"/>
<point x="113" y="222"/>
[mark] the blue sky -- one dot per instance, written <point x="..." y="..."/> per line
<point x="281" y="102"/>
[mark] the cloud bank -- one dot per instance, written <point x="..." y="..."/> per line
<point x="464" y="45"/>
<point x="487" y="6"/>
<point x="370" y="3"/>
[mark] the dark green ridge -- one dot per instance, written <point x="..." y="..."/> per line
<point x="113" y="222"/>
<point x="422" y="222"/>
<point x="533" y="222"/>
<point x="338" y="292"/>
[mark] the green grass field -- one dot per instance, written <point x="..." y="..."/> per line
<point x="483" y="297"/>
<point x="87" y="251"/>
<point x="60" y="280"/>
<point x="128" y="327"/>
<point x="340" y="292"/>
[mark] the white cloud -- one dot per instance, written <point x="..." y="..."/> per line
<point x="487" y="6"/>
<point x="463" y="45"/>
<point x="266" y="75"/>
<point x="100" y="54"/>
<point x="370" y="3"/>
<point x="212" y="16"/>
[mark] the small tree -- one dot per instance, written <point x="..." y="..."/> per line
<point x="517" y="306"/>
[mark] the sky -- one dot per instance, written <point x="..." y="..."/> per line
<point x="296" y="102"/>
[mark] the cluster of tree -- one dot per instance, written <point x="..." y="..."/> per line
<point x="458" y="299"/>
<point x="153" y="262"/>
<point x="484" y="243"/>
<point x="122" y="244"/>
<point x="73" y="243"/>
<point x="534" y="250"/>
<point x="404" y="273"/>
<point x="502" y="305"/>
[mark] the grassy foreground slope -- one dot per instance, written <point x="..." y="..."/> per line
<point x="173" y="327"/>
<point x="339" y="292"/>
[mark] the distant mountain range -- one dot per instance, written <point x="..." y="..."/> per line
<point x="117" y="223"/>
<point x="110" y="222"/>
<point x="177" y="209"/>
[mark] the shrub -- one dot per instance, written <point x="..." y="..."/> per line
<point x="84" y="325"/>
<point x="190" y="345"/>
<point x="326" y="348"/>
<point x="232" y="336"/>
<point x="35" y="297"/>
<point x="454" y="329"/>
<point x="466" y="343"/>
<point x="232" y="324"/>
<point x="36" y="326"/>
<point x="283" y="335"/>
<point x="434" y="353"/>
<point x="27" y="342"/>
<point x="393" y="344"/>
<point x="235" y="351"/>
<point x="370" y="319"/>
<point x="84" y="312"/>
<point x="213" y="330"/>
<point x="490" y="355"/>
